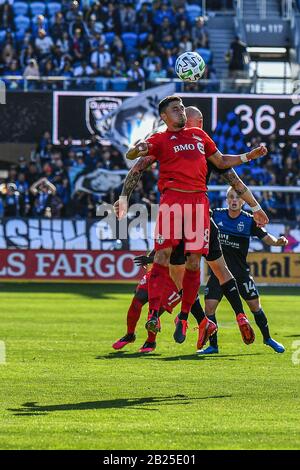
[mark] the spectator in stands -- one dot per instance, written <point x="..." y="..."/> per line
<point x="127" y="16"/>
<point x="199" y="33"/>
<point x="136" y="74"/>
<point x="43" y="44"/>
<point x="185" y="44"/>
<point x="94" y="26"/>
<point x="64" y="43"/>
<point x="58" y="27"/>
<point x="14" y="70"/>
<point x="27" y="54"/>
<point x="32" y="73"/>
<point x="238" y="58"/>
<point x="111" y="19"/>
<point x="150" y="61"/>
<point x="78" y="24"/>
<point x="144" y="19"/>
<point x="72" y="12"/>
<point x="168" y="63"/>
<point x="83" y="70"/>
<point x="101" y="60"/>
<point x="13" y="202"/>
<point x="78" y="45"/>
<point x="119" y="67"/>
<point x="39" y="23"/>
<point x="8" y="50"/>
<point x="158" y="72"/>
<point x="6" y="16"/>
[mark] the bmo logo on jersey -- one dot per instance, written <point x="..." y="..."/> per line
<point x="187" y="147"/>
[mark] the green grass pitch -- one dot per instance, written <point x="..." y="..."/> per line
<point x="63" y="387"/>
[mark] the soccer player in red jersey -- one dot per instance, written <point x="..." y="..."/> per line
<point x="171" y="297"/>
<point x="182" y="153"/>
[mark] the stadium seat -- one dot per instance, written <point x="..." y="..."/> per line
<point x="193" y="11"/>
<point x="2" y="36"/>
<point x="20" y="35"/>
<point x="37" y="8"/>
<point x="143" y="37"/>
<point x="205" y="54"/>
<point x="119" y="84"/>
<point x="53" y="8"/>
<point x="109" y="37"/>
<point x="130" y="42"/>
<point x="20" y="8"/>
<point x="22" y="22"/>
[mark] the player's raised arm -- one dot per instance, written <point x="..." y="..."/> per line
<point x="227" y="161"/>
<point x="130" y="183"/>
<point x="260" y="217"/>
<point x="141" y="149"/>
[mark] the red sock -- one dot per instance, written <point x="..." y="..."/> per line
<point x="190" y="288"/>
<point x="157" y="281"/>
<point x="151" y="337"/>
<point x="133" y="315"/>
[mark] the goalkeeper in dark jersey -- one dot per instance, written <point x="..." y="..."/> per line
<point x="236" y="227"/>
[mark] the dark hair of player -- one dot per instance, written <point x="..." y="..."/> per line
<point x="166" y="101"/>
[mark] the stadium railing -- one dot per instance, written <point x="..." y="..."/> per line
<point x="224" y="85"/>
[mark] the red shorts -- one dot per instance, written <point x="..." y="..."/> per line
<point x="183" y="216"/>
<point x="170" y="297"/>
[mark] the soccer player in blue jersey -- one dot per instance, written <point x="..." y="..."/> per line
<point x="236" y="227"/>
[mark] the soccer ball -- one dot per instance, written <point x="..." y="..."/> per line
<point x="190" y="66"/>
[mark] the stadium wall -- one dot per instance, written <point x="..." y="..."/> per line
<point x="118" y="266"/>
<point x="27" y="115"/>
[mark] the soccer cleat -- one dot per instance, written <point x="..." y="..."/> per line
<point x="153" y="324"/>
<point x="208" y="350"/>
<point x="245" y="328"/>
<point x="129" y="338"/>
<point x="180" y="330"/>
<point x="205" y="329"/>
<point x="277" y="347"/>
<point x="147" y="347"/>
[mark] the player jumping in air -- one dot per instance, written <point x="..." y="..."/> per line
<point x="215" y="257"/>
<point x="182" y="154"/>
<point x="236" y="227"/>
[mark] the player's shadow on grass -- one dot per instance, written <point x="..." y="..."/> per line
<point x="32" y="409"/>
<point x="198" y="357"/>
<point x="126" y="355"/>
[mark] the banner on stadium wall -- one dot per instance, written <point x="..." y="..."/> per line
<point x="272" y="268"/>
<point x="100" y="113"/>
<point x="69" y="265"/>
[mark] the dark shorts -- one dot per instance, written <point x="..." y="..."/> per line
<point x="215" y="251"/>
<point x="245" y="283"/>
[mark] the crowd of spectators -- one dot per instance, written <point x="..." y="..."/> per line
<point x="79" y="39"/>
<point x="62" y="164"/>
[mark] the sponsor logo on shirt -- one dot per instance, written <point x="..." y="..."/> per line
<point x="187" y="147"/>
<point x="240" y="226"/>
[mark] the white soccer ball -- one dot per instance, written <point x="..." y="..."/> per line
<point x="190" y="66"/>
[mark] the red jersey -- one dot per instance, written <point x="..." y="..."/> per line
<point x="182" y="158"/>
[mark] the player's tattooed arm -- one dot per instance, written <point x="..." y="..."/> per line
<point x="233" y="180"/>
<point x="246" y="194"/>
<point x="135" y="173"/>
<point x="131" y="182"/>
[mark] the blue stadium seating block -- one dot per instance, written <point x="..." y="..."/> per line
<point x="22" y="23"/>
<point x="20" y="8"/>
<point x="37" y="8"/>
